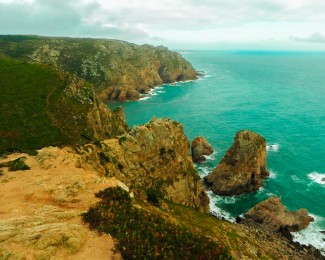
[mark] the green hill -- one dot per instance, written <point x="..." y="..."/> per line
<point x="41" y="106"/>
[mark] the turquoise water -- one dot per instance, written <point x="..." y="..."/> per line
<point x="280" y="95"/>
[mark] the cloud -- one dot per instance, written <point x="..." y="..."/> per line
<point x="162" y="21"/>
<point x="313" y="38"/>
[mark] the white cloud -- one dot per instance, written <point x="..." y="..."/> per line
<point x="314" y="38"/>
<point x="175" y="21"/>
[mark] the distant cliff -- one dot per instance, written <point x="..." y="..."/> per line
<point x="119" y="70"/>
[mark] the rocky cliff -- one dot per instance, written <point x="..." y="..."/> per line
<point x="243" y="167"/>
<point x="119" y="70"/>
<point x="155" y="156"/>
<point x="42" y="208"/>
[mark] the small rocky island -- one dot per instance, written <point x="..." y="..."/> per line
<point x="200" y="148"/>
<point x="243" y="167"/>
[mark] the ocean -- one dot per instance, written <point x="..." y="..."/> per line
<point x="281" y="96"/>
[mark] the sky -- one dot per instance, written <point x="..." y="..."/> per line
<point x="177" y="24"/>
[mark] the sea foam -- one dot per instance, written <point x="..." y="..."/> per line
<point x="273" y="147"/>
<point x="312" y="235"/>
<point x="317" y="177"/>
<point x="211" y="156"/>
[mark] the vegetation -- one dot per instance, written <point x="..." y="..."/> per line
<point x="145" y="235"/>
<point x="16" y="165"/>
<point x="37" y="110"/>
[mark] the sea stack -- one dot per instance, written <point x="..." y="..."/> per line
<point x="274" y="215"/>
<point x="200" y="147"/>
<point x="243" y="167"/>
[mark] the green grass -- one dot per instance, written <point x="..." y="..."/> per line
<point x="142" y="234"/>
<point x="35" y="111"/>
<point x="24" y="92"/>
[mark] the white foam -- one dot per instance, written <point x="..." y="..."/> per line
<point x="312" y="235"/>
<point x="144" y="98"/>
<point x="273" y="147"/>
<point x="295" y="178"/>
<point x="317" y="177"/>
<point x="211" y="156"/>
<point x="215" y="211"/>
<point x="273" y="174"/>
<point x="204" y="170"/>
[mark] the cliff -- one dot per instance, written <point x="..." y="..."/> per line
<point x="243" y="167"/>
<point x="152" y="156"/>
<point x="41" y="106"/>
<point x="42" y="213"/>
<point x="119" y="70"/>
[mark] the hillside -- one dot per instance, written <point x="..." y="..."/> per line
<point x="41" y="106"/>
<point x="42" y="216"/>
<point x="119" y="70"/>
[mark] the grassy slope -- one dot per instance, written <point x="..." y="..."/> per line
<point x="36" y="111"/>
<point x="24" y="92"/>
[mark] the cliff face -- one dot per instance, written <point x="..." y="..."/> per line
<point x="156" y="156"/>
<point x="243" y="167"/>
<point x="119" y="70"/>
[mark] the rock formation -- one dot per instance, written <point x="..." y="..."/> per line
<point x="119" y="70"/>
<point x="243" y="167"/>
<point x="273" y="214"/>
<point x="154" y="155"/>
<point x="199" y="148"/>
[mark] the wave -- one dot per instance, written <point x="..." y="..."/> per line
<point x="312" y="235"/>
<point x="204" y="170"/>
<point x="317" y="177"/>
<point x="211" y="156"/>
<point x="272" y="147"/>
<point x="295" y="178"/>
<point x="144" y="98"/>
<point x="216" y="211"/>
<point x="273" y="174"/>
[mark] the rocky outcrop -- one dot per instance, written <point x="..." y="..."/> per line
<point x="243" y="167"/>
<point x="154" y="155"/>
<point x="119" y="70"/>
<point x="273" y="214"/>
<point x="199" y="148"/>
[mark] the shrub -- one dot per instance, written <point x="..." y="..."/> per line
<point x="153" y="196"/>
<point x="145" y="235"/>
<point x="16" y="165"/>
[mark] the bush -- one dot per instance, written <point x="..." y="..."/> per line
<point x="153" y="197"/>
<point x="16" y="165"/>
<point x="144" y="235"/>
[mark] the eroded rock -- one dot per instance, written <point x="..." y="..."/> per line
<point x="155" y="155"/>
<point x="273" y="214"/>
<point x="243" y="167"/>
<point x="200" y="147"/>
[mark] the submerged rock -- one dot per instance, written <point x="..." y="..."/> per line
<point x="199" y="148"/>
<point x="243" y="167"/>
<point x="273" y="214"/>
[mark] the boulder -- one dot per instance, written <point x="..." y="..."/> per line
<point x="243" y="167"/>
<point x="273" y="214"/>
<point x="199" y="148"/>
